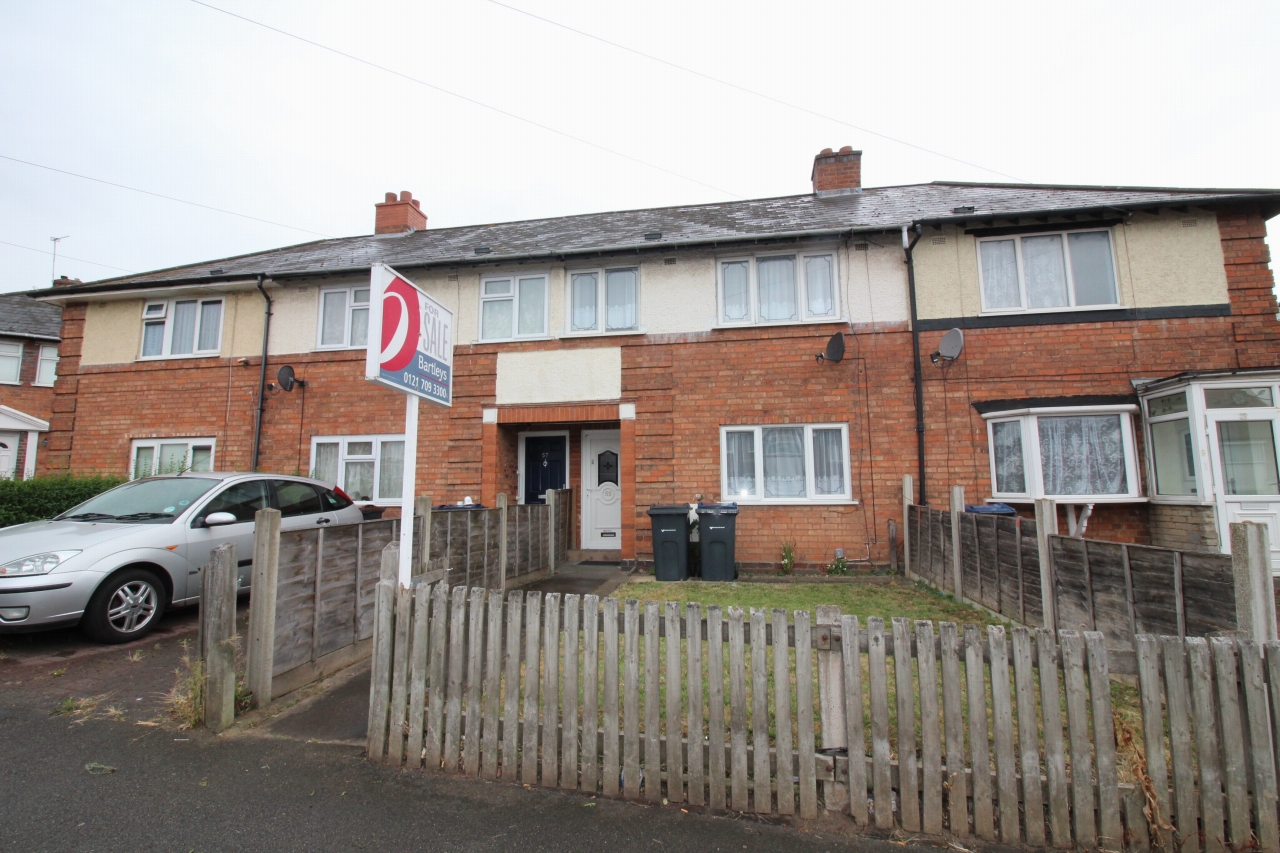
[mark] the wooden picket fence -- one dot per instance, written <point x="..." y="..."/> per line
<point x="929" y="728"/>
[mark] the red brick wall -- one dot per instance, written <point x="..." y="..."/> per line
<point x="34" y="400"/>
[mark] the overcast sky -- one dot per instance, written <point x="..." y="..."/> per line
<point x="181" y="100"/>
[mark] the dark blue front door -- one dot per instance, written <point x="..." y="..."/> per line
<point x="545" y="466"/>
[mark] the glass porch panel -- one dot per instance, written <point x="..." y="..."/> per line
<point x="1173" y="452"/>
<point x="1238" y="398"/>
<point x="1248" y="451"/>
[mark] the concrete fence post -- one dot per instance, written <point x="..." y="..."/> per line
<point x="218" y="632"/>
<point x="908" y="498"/>
<point x="262" y="605"/>
<point x="552" y="495"/>
<point x="502" y="540"/>
<point x="422" y="509"/>
<point x="1047" y="525"/>
<point x="957" y="507"/>
<point x="1255" y="591"/>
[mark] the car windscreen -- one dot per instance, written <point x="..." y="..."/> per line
<point x="157" y="501"/>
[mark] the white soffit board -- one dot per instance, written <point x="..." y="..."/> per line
<point x="559" y="376"/>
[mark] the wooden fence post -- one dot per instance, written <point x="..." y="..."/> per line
<point x="1047" y="524"/>
<point x="502" y="541"/>
<point x="1251" y="565"/>
<point x="957" y="507"/>
<point x="380" y="666"/>
<point x="422" y="508"/>
<point x="262" y="605"/>
<point x="908" y="494"/>
<point x="830" y="698"/>
<point x="218" y="631"/>
<point x="552" y="495"/>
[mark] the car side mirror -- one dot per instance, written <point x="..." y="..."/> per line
<point x="218" y="519"/>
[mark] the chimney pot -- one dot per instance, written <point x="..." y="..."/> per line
<point x="837" y="174"/>
<point x="398" y="214"/>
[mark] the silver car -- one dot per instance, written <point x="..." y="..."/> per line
<point x="115" y="562"/>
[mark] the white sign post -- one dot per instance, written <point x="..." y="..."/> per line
<point x="410" y="349"/>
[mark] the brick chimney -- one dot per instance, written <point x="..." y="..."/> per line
<point x="837" y="173"/>
<point x="398" y="215"/>
<point x="63" y="281"/>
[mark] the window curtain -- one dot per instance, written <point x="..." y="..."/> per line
<point x="495" y="320"/>
<point x="583" y="294"/>
<point x="1000" y="274"/>
<point x="740" y="457"/>
<point x="828" y="461"/>
<point x="359" y="327"/>
<point x="1083" y="455"/>
<point x="620" y="299"/>
<point x="533" y="301"/>
<point x="391" y="471"/>
<point x="1011" y="477"/>
<point x="210" y="324"/>
<point x="737" y="290"/>
<point x="153" y="339"/>
<point x="1091" y="270"/>
<point x="784" y="462"/>
<point x="326" y="464"/>
<point x="334" y="319"/>
<point x="202" y="458"/>
<point x="1045" y="271"/>
<point x="144" y="462"/>
<point x="173" y="458"/>
<point x="184" y="328"/>
<point x="357" y="481"/>
<point x="777" y="288"/>
<point x="11" y="362"/>
<point x="819" y="285"/>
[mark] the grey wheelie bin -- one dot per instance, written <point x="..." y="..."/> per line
<point x="717" y="532"/>
<point x="670" y="542"/>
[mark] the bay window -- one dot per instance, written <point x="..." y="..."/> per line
<point x="1070" y="455"/>
<point x="344" y="318"/>
<point x="170" y="456"/>
<point x="1173" y="452"/>
<point x="513" y="306"/>
<point x="791" y="463"/>
<point x="1046" y="271"/>
<point x="605" y="300"/>
<point x="181" y="327"/>
<point x="792" y="288"/>
<point x="368" y="468"/>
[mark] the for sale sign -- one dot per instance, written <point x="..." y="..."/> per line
<point x="410" y="344"/>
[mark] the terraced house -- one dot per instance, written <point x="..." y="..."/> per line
<point x="1118" y="354"/>
<point x="28" y="366"/>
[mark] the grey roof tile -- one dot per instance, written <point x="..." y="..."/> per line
<point x="22" y="316"/>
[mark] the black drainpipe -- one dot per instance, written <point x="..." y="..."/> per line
<point x="915" y="357"/>
<point x="262" y="377"/>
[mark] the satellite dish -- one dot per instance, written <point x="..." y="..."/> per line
<point x="835" y="349"/>
<point x="286" y="378"/>
<point x="952" y="344"/>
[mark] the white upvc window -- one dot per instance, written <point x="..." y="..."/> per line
<point x="1072" y="455"/>
<point x="1172" y="447"/>
<point x="344" y="318"/>
<point x="1047" y="271"/>
<point x="785" y="464"/>
<point x="10" y="362"/>
<point x="513" y="306"/>
<point x="47" y="366"/>
<point x="180" y="328"/>
<point x="799" y="287"/>
<point x="369" y="468"/>
<point x="603" y="300"/>
<point x="170" y="456"/>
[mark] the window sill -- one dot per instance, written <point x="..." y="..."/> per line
<point x="33" y="384"/>
<point x="7" y="382"/>
<point x="789" y="502"/>
<point x="720" y="326"/>
<point x="514" y="340"/>
<point x="341" y="348"/>
<point x="1076" y="500"/>
<point x="1180" y="500"/>
<point x="1066" y="309"/>
<point x="611" y="334"/>
<point x="210" y="354"/>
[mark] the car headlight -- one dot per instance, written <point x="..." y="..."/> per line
<point x="36" y="564"/>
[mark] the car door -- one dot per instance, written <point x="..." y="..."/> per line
<point x="243" y="500"/>
<point x="300" y="505"/>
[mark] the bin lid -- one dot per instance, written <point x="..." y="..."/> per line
<point x="718" y="509"/>
<point x="991" y="509"/>
<point x="457" y="507"/>
<point x="677" y="509"/>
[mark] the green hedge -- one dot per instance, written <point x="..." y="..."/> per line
<point x="44" y="497"/>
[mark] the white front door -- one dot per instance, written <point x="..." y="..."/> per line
<point x="601" y="489"/>
<point x="1245" y="472"/>
<point x="8" y="454"/>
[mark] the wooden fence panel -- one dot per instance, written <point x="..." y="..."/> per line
<point x="988" y="559"/>
<point x="1209" y="593"/>
<point x="1154" y="594"/>
<point x="1109" y="595"/>
<point x="1007" y="541"/>
<point x="1073" y="595"/>
<point x="970" y="567"/>
<point x="1032" y="600"/>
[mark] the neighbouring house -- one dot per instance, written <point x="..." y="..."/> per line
<point x="29" y="334"/>
<point x="669" y="355"/>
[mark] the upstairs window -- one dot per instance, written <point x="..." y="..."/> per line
<point x="369" y="468"/>
<point x="513" y="307"/>
<point x="793" y="463"/>
<point x="171" y="456"/>
<point x="10" y="362"/>
<point x="793" y="288"/>
<point x="182" y="327"/>
<point x="344" y="318"/>
<point x="1047" y="271"/>
<point x="47" y="368"/>
<point x="1070" y="455"/>
<point x="605" y="300"/>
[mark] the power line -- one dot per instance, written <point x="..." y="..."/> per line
<point x="66" y="257"/>
<point x="744" y="89"/>
<point x="160" y="195"/>
<point x="469" y="100"/>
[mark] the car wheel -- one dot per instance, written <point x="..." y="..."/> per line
<point x="125" y="607"/>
